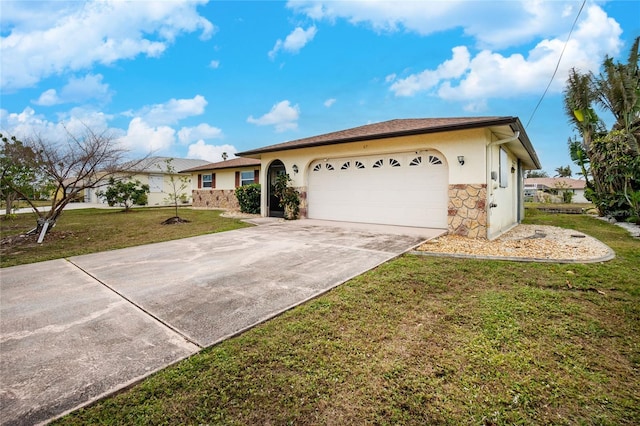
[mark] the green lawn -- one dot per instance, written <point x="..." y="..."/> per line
<point x="424" y="340"/>
<point x="92" y="230"/>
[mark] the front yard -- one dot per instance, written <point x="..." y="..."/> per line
<point x="424" y="340"/>
<point x="92" y="230"/>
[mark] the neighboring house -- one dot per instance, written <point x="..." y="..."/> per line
<point x="153" y="172"/>
<point x="532" y="186"/>
<point x="215" y="183"/>
<point x="460" y="174"/>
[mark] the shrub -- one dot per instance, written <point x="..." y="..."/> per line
<point x="249" y="198"/>
<point x="288" y="196"/>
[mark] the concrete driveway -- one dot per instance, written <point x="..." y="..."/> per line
<point x="75" y="330"/>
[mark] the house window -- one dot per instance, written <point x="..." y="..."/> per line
<point x="416" y="161"/>
<point x="329" y="166"/>
<point x="155" y="183"/>
<point x="207" y="181"/>
<point x="504" y="169"/>
<point x="247" y="178"/>
<point x="317" y="167"/>
<point x="378" y="164"/>
<point x="394" y="163"/>
<point x="359" y="165"/>
<point x="346" y="165"/>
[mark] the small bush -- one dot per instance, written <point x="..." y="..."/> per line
<point x="249" y="198"/>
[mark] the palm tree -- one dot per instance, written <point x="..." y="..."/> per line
<point x="563" y="171"/>
<point x="601" y="154"/>
<point x="618" y="90"/>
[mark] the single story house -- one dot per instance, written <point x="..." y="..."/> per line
<point x="153" y="171"/>
<point x="460" y="174"/>
<point x="215" y="183"/>
<point x="556" y="186"/>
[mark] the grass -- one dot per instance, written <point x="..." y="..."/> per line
<point x="424" y="340"/>
<point x="92" y="230"/>
<point x="578" y="206"/>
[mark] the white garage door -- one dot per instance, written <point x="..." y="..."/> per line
<point x="406" y="189"/>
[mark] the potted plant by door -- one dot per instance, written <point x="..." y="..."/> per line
<point x="288" y="196"/>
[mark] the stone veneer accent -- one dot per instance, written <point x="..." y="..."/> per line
<point x="215" y="198"/>
<point x="468" y="210"/>
<point x="303" y="202"/>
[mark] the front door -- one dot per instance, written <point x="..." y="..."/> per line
<point x="273" y="204"/>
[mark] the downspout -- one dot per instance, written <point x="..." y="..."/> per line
<point x="491" y="188"/>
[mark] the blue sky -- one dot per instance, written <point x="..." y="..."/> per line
<point x="198" y="78"/>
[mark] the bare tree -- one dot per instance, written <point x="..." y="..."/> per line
<point x="74" y="165"/>
<point x="177" y="187"/>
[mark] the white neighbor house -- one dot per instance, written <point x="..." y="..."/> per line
<point x="557" y="185"/>
<point x="153" y="172"/>
<point x="460" y="174"/>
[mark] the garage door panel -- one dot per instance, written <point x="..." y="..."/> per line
<point x="413" y="193"/>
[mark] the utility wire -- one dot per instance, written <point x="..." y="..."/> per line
<point x="557" y="64"/>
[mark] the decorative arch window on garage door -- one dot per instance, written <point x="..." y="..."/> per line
<point x="378" y="163"/>
<point x="381" y="188"/>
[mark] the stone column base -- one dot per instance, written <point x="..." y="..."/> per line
<point x="467" y="214"/>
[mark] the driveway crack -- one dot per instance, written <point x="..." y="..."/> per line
<point x="139" y="307"/>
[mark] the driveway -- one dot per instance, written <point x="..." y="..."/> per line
<point x="75" y="330"/>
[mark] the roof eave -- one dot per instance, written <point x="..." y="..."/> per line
<point x="436" y="129"/>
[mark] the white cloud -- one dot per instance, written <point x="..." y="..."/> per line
<point x="201" y="131"/>
<point x="29" y="123"/>
<point x="214" y="64"/>
<point x="329" y="102"/>
<point x="48" y="98"/>
<point x="77" y="90"/>
<point x="492" y="24"/>
<point x="212" y="153"/>
<point x="282" y="115"/>
<point x="427" y="79"/>
<point x="38" y="46"/>
<point x="173" y="110"/>
<point x="490" y="74"/>
<point x="294" y="42"/>
<point x="144" y="138"/>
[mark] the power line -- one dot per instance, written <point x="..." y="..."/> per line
<point x="557" y="64"/>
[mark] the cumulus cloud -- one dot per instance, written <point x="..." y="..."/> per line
<point x="173" y="110"/>
<point x="37" y="44"/>
<point x="491" y="74"/>
<point x="48" y="98"/>
<point x="493" y="25"/>
<point x="214" y="64"/>
<point x="282" y="115"/>
<point x="29" y="123"/>
<point x="427" y="79"/>
<point x="144" y="138"/>
<point x="201" y="131"/>
<point x="294" y="42"/>
<point x="77" y="90"/>
<point x="212" y="153"/>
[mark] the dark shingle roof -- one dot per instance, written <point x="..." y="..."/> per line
<point x="228" y="164"/>
<point x="398" y="127"/>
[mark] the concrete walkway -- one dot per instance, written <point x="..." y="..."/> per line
<point x="75" y="330"/>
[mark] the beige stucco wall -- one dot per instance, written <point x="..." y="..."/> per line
<point x="154" y="198"/>
<point x="469" y="143"/>
<point x="502" y="203"/>
<point x="161" y="198"/>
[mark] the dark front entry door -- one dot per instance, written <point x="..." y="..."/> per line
<point x="276" y="168"/>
